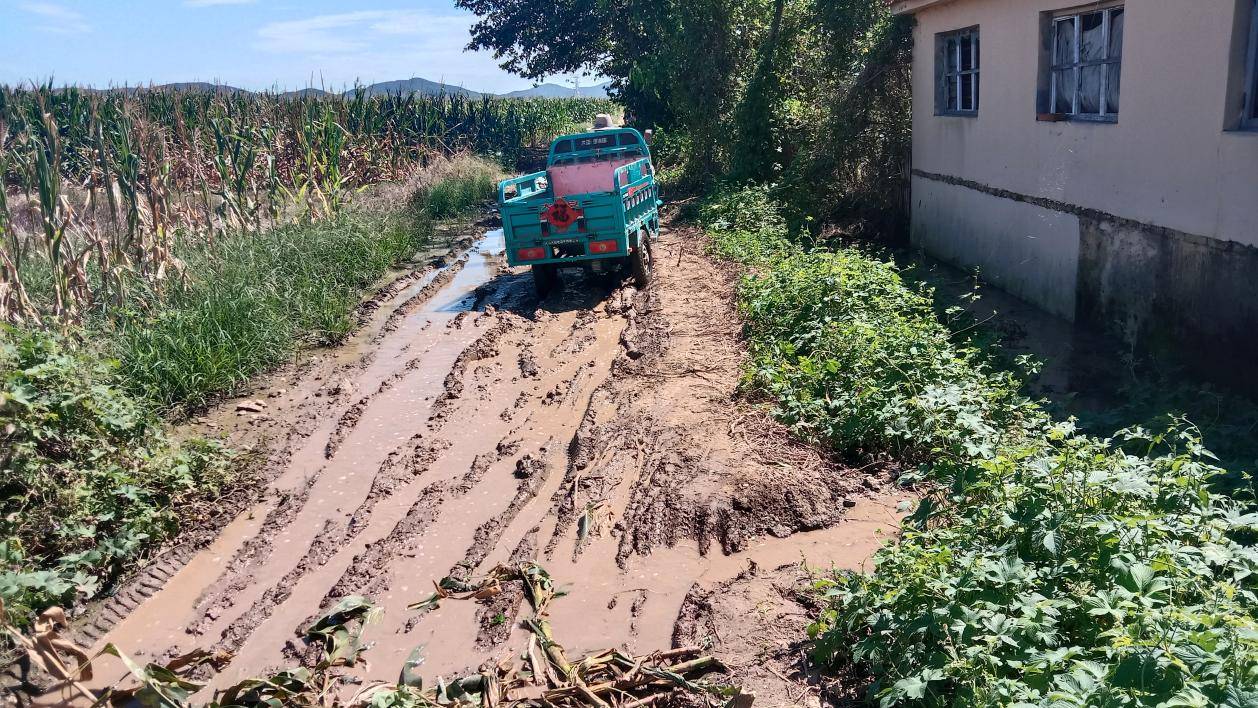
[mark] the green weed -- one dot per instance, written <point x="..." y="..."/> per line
<point x="87" y="479"/>
<point x="253" y="299"/>
<point x="1050" y="567"/>
<point x="751" y="227"/>
<point x="466" y="187"/>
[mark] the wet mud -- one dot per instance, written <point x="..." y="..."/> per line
<point x="599" y="432"/>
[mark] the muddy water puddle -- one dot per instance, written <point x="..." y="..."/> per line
<point x="482" y="263"/>
<point x="450" y="435"/>
<point x="637" y="606"/>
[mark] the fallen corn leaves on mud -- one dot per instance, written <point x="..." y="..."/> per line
<point x="468" y="427"/>
<point x="541" y="675"/>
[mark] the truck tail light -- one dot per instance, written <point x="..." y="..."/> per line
<point x="604" y="246"/>
<point x="531" y="254"/>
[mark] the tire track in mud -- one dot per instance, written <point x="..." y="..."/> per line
<point x="386" y="480"/>
<point x="412" y="303"/>
<point x="367" y="574"/>
<point x="257" y="440"/>
<point x="255" y="550"/>
<point x="333" y="535"/>
<point x="370" y="571"/>
<point x="350" y="417"/>
<point x="514" y="452"/>
<point x="213" y="607"/>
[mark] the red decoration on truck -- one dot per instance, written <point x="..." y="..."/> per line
<point x="562" y="214"/>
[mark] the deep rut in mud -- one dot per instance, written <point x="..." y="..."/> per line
<point x="465" y="425"/>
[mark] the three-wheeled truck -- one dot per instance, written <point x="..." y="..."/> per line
<point x="596" y="205"/>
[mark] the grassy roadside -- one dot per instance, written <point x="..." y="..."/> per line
<point x="88" y="478"/>
<point x="253" y="300"/>
<point x="1049" y="567"/>
<point x="257" y="298"/>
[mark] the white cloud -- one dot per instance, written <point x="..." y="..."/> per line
<point x="351" y="32"/>
<point x="211" y="3"/>
<point x="62" y="20"/>
<point x="335" y="50"/>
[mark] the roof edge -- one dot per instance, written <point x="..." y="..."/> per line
<point x="908" y="7"/>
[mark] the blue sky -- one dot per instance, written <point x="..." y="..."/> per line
<point x="254" y="44"/>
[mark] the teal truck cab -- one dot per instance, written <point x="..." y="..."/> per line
<point x="595" y="205"/>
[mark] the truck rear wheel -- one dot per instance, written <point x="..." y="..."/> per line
<point x="545" y="278"/>
<point x="640" y="262"/>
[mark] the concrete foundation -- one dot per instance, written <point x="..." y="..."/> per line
<point x="1023" y="249"/>
<point x="1158" y="287"/>
<point x="1155" y="288"/>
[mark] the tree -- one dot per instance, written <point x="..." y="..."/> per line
<point x="670" y="61"/>
<point x="810" y="94"/>
<point x="538" y="39"/>
<point x="756" y="147"/>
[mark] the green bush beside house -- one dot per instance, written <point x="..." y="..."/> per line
<point x="1048" y="567"/>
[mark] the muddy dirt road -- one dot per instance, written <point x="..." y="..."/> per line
<point x="468" y="424"/>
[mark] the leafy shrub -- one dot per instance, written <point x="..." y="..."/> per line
<point x="856" y="360"/>
<point x="1051" y="568"/>
<point x="1068" y="573"/>
<point x="747" y="223"/>
<point x="853" y="358"/>
<point x="87" y="478"/>
<point x="671" y="151"/>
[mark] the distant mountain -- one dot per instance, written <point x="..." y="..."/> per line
<point x="197" y="86"/>
<point x="557" y="91"/>
<point x="306" y="93"/>
<point x="190" y="86"/>
<point x="416" y="85"/>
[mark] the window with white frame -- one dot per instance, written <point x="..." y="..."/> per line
<point x="1249" y="119"/>
<point x="1087" y="59"/>
<point x="957" y="69"/>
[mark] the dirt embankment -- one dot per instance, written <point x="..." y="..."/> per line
<point x="466" y="425"/>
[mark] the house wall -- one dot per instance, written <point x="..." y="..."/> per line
<point x="1149" y="225"/>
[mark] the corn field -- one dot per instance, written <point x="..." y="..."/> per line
<point x="97" y="186"/>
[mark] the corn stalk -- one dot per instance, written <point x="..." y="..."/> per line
<point x="96" y="184"/>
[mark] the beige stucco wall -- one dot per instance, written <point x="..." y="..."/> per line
<point x="1167" y="161"/>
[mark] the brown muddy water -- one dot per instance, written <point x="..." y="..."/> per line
<point x="467" y="424"/>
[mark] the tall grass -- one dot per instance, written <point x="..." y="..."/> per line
<point x="459" y="189"/>
<point x="250" y="300"/>
<point x="255" y="298"/>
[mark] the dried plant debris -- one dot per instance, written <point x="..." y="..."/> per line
<point x="48" y="651"/>
<point x="339" y="631"/>
<point x="541" y="675"/>
<point x="545" y="678"/>
<point x="537" y="582"/>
